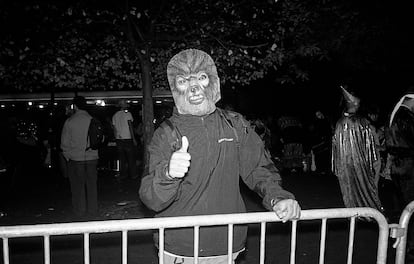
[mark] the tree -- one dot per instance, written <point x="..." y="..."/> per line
<point x="101" y="46"/>
<point x="247" y="39"/>
<point x="52" y="47"/>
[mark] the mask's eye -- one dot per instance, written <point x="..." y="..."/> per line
<point x="181" y="83"/>
<point x="202" y="77"/>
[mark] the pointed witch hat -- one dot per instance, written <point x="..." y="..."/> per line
<point x="351" y="100"/>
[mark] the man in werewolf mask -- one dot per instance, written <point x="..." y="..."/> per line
<point x="195" y="85"/>
<point x="201" y="176"/>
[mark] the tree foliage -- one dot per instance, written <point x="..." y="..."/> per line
<point x="65" y="48"/>
<point x="247" y="39"/>
<point x="115" y="45"/>
<point x="86" y="46"/>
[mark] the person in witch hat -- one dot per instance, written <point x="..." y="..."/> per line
<point x="355" y="157"/>
<point x="400" y="149"/>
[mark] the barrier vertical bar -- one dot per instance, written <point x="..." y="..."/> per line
<point x="196" y="242"/>
<point x="323" y="242"/>
<point x="262" y="241"/>
<point x="230" y="245"/>
<point x="401" y="249"/>
<point x="124" y="247"/>
<point x="293" y="242"/>
<point x="351" y="240"/>
<point x="161" y="245"/>
<point x="382" y="242"/>
<point x="46" y="245"/>
<point x="5" y="250"/>
<point x="86" y="247"/>
<point x="403" y="223"/>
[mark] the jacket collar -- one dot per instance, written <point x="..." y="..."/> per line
<point x="190" y="118"/>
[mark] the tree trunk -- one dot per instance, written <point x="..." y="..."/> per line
<point x="147" y="103"/>
<point x="148" y="107"/>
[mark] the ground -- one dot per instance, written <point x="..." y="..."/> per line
<point x="45" y="198"/>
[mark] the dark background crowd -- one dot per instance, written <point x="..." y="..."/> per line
<point x="33" y="132"/>
<point x="31" y="138"/>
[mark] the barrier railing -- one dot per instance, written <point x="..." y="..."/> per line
<point x="124" y="226"/>
<point x="400" y="232"/>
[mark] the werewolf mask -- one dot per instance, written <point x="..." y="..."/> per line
<point x="194" y="82"/>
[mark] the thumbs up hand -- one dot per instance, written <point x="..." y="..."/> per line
<point x="179" y="161"/>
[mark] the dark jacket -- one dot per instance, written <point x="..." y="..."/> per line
<point x="211" y="185"/>
<point x="400" y="140"/>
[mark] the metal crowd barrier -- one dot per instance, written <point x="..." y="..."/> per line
<point x="400" y="232"/>
<point x="124" y="226"/>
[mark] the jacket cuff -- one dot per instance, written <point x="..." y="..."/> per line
<point x="269" y="202"/>
<point x="167" y="175"/>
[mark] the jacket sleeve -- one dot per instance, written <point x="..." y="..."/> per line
<point x="258" y="170"/>
<point x="157" y="191"/>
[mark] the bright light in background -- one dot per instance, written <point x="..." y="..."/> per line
<point x="100" y="102"/>
<point x="41" y="106"/>
<point x="55" y="103"/>
<point x="158" y="102"/>
<point x="135" y="102"/>
<point x="2" y="106"/>
<point x="30" y="103"/>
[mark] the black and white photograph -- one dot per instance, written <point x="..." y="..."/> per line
<point x="210" y="132"/>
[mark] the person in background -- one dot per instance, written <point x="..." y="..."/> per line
<point x="321" y="137"/>
<point x="202" y="176"/>
<point x="400" y="147"/>
<point x="388" y="193"/>
<point x="62" y="161"/>
<point x="263" y="131"/>
<point x="122" y="122"/>
<point x="82" y="161"/>
<point x="355" y="157"/>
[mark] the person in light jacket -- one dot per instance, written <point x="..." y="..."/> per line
<point x="82" y="161"/>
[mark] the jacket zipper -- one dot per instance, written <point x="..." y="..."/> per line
<point x="207" y="135"/>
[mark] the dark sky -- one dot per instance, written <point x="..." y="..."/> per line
<point x="381" y="82"/>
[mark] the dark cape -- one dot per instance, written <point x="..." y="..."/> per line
<point x="400" y="146"/>
<point x="356" y="161"/>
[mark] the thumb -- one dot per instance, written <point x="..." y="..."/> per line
<point x="184" y="144"/>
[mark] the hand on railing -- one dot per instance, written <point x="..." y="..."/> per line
<point x="287" y="209"/>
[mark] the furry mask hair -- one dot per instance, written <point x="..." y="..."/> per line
<point x="197" y="67"/>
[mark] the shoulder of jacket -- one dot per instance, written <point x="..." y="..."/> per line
<point x="236" y="118"/>
<point x="169" y="132"/>
<point x="83" y="113"/>
<point x="165" y="128"/>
